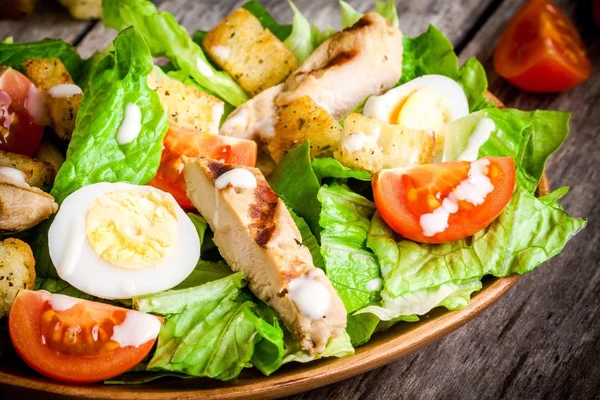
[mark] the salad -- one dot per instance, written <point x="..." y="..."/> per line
<point x="256" y="194"/>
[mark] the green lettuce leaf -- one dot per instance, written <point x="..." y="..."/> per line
<point x="165" y="37"/>
<point x="205" y="271"/>
<point x="296" y="183"/>
<point x="300" y="41"/>
<point x="349" y="14"/>
<point x="349" y="264"/>
<point x="94" y="155"/>
<point x="309" y="240"/>
<point x="328" y="167"/>
<point x="282" y="32"/>
<point x="14" y="54"/>
<point x="526" y="234"/>
<point x="387" y="9"/>
<point x="337" y="347"/>
<point x="208" y="332"/>
<point x="529" y="137"/>
<point x="432" y="53"/>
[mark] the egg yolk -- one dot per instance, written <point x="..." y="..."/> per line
<point x="132" y="230"/>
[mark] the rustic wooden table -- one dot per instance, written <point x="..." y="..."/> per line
<point x="542" y="339"/>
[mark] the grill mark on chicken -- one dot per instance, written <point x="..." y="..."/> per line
<point x="217" y="169"/>
<point x="262" y="212"/>
<point x="361" y="23"/>
<point x="341" y="58"/>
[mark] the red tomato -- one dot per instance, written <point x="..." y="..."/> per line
<point x="541" y="51"/>
<point x="403" y="195"/>
<point x="181" y="142"/>
<point x="19" y="133"/>
<point x="73" y="345"/>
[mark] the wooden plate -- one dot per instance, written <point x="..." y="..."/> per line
<point x="292" y="378"/>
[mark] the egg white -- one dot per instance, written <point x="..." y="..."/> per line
<point x="381" y="107"/>
<point x="79" y="265"/>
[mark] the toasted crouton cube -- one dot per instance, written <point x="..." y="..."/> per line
<point x="186" y="106"/>
<point x="17" y="271"/>
<point x="250" y="53"/>
<point x="62" y="102"/>
<point x="304" y="120"/>
<point x="84" y="9"/>
<point x="37" y="173"/>
<point x="372" y="145"/>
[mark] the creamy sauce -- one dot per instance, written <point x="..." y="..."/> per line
<point x="480" y="135"/>
<point x="474" y="189"/>
<point x="217" y="112"/>
<point x="239" y="178"/>
<point x="360" y="141"/>
<point x="137" y="329"/>
<point x="374" y="284"/>
<point x="310" y="296"/>
<point x="36" y="106"/>
<point x="64" y="90"/>
<point x="131" y="125"/>
<point x="222" y="52"/>
<point x="60" y="302"/>
<point x="13" y="173"/>
<point x="204" y="68"/>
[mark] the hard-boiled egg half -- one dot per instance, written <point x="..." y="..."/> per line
<point x="425" y="103"/>
<point x="117" y="240"/>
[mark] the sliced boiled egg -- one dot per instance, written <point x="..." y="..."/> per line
<point x="425" y="103"/>
<point x="117" y="240"/>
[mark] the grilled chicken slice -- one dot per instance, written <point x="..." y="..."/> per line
<point x="255" y="234"/>
<point x="362" y="60"/>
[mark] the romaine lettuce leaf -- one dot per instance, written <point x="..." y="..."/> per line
<point x="14" y="54"/>
<point x="208" y="332"/>
<point x="529" y="137"/>
<point x="527" y="233"/>
<point x="300" y="41"/>
<point x="165" y="37"/>
<point x="349" y="264"/>
<point x="337" y="347"/>
<point x="387" y="9"/>
<point x="94" y="155"/>
<point x="309" y="240"/>
<point x="432" y="53"/>
<point x="327" y="167"/>
<point x="296" y="183"/>
<point x="282" y="32"/>
<point x="349" y="14"/>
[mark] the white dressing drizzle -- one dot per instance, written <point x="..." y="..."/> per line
<point x="359" y="141"/>
<point x="374" y="284"/>
<point x="13" y="173"/>
<point x="60" y="302"/>
<point x="310" y="296"/>
<point x="239" y="178"/>
<point x="137" y="329"/>
<point x="480" y="135"/>
<point x="204" y="68"/>
<point x="64" y="90"/>
<point x="474" y="189"/>
<point x="131" y="125"/>
<point x="222" y="52"/>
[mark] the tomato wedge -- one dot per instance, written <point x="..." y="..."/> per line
<point x="541" y="51"/>
<point x="20" y="132"/>
<point x="181" y="142"/>
<point x="444" y="202"/>
<point x="71" y="340"/>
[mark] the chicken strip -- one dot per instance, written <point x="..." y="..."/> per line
<point x="362" y="60"/>
<point x="256" y="234"/>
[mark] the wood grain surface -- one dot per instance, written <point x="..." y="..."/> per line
<point x="542" y="339"/>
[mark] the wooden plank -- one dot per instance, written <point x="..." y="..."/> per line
<point x="414" y="16"/>
<point x="48" y="20"/>
<point x="542" y="339"/>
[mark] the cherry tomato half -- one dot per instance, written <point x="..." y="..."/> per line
<point x="72" y="344"/>
<point x="181" y="142"/>
<point x="20" y="132"/>
<point x="404" y="195"/>
<point x="541" y="51"/>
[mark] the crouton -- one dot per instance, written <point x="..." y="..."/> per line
<point x="255" y="57"/>
<point x="17" y="271"/>
<point x="49" y="152"/>
<point x="83" y="9"/>
<point x="62" y="102"/>
<point x="37" y="173"/>
<point x="186" y="106"/>
<point x="372" y="145"/>
<point x="304" y="120"/>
